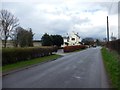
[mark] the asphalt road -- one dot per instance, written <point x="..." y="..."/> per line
<point x="83" y="69"/>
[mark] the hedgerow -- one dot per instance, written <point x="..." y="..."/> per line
<point x="114" y="45"/>
<point x="13" y="55"/>
<point x="73" y="48"/>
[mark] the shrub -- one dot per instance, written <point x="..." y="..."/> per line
<point x="73" y="48"/>
<point x="114" y="45"/>
<point x="13" y="55"/>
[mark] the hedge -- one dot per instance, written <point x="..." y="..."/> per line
<point x="114" y="45"/>
<point x="73" y="48"/>
<point x="13" y="55"/>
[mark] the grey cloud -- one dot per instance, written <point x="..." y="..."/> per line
<point x="79" y="21"/>
<point x="40" y="23"/>
<point x="111" y="7"/>
<point x="95" y="32"/>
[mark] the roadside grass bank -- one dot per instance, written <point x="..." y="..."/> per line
<point x="112" y="64"/>
<point x="26" y="63"/>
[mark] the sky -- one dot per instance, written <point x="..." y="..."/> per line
<point x="87" y="18"/>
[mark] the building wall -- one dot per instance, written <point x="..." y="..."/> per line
<point x="65" y="41"/>
<point x="73" y="39"/>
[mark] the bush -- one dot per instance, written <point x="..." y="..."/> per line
<point x="73" y="48"/>
<point x="13" y="55"/>
<point x="114" y="45"/>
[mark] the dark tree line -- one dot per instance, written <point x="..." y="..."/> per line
<point x="51" y="40"/>
<point x="91" y="41"/>
<point x="88" y="41"/>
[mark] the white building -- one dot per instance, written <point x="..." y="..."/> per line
<point x="72" y="39"/>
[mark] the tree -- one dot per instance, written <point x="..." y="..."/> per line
<point x="8" y="23"/>
<point x="88" y="41"/>
<point x="46" y="40"/>
<point x="23" y="38"/>
<point x="15" y="37"/>
<point x="98" y="42"/>
<point x="57" y="40"/>
<point x="21" y="35"/>
<point x="30" y="37"/>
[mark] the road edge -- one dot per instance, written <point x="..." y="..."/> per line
<point x="27" y="67"/>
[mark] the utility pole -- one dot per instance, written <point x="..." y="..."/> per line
<point x="107" y="30"/>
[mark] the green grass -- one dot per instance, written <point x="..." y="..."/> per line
<point x="22" y="64"/>
<point x="112" y="65"/>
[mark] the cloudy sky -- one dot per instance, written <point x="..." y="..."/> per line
<point x="64" y="16"/>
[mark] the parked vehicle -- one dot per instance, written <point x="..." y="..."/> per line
<point x="93" y="45"/>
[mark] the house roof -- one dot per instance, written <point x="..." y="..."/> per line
<point x="65" y="37"/>
<point x="77" y="35"/>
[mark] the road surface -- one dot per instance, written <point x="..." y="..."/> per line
<point x="83" y="69"/>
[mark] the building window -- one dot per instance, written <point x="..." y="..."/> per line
<point x="73" y="38"/>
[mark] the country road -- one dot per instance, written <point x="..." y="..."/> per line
<point x="82" y="69"/>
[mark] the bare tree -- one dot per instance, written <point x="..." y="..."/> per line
<point x="7" y="23"/>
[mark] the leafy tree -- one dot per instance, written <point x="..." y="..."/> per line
<point x="23" y="37"/>
<point x="29" y="37"/>
<point x="46" y="40"/>
<point x="7" y="23"/>
<point x="57" y="40"/>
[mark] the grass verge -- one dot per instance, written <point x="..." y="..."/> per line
<point x="112" y="64"/>
<point x="22" y="64"/>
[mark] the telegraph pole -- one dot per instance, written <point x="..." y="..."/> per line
<point x="107" y="30"/>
